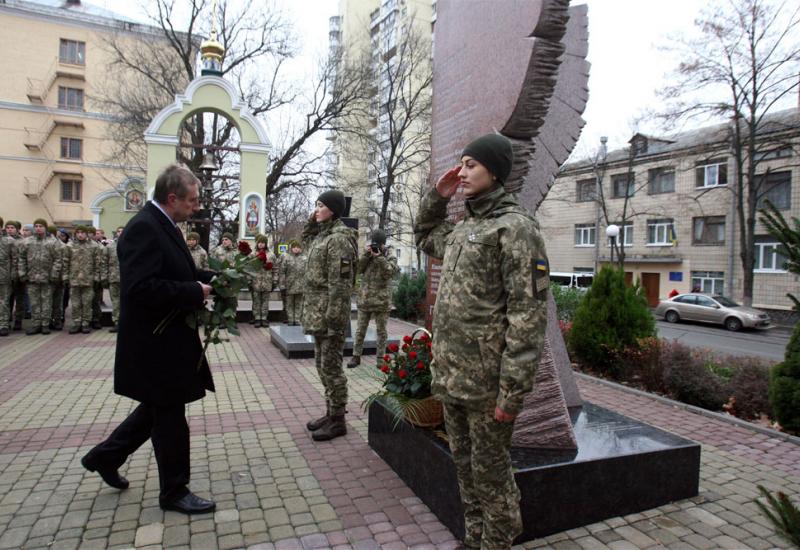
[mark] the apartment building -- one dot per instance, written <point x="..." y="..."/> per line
<point x="376" y="28"/>
<point x="681" y="230"/>
<point x="54" y="138"/>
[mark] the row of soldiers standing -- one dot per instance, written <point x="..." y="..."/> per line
<point x="53" y="269"/>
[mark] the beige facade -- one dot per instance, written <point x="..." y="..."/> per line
<point x="54" y="139"/>
<point x="683" y="230"/>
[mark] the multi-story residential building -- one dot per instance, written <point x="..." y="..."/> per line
<point x="681" y="229"/>
<point x="54" y="138"/>
<point x="377" y="28"/>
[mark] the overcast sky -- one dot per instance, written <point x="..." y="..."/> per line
<point x="624" y="40"/>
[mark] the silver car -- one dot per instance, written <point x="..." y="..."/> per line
<point x="711" y="309"/>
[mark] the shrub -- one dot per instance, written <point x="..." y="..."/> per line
<point x="690" y="381"/>
<point x="642" y="364"/>
<point x="567" y="301"/>
<point x="610" y="318"/>
<point x="749" y="387"/>
<point x="408" y="296"/>
<point x="784" y="385"/>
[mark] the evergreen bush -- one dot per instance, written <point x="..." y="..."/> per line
<point x="408" y="296"/>
<point x="567" y="301"/>
<point x="784" y="386"/>
<point x="609" y="319"/>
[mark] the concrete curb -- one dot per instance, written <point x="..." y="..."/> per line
<point x="697" y="410"/>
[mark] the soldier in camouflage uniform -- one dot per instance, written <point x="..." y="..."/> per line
<point x="7" y="264"/>
<point x="57" y="307"/>
<point x="488" y="330"/>
<point x="332" y="252"/>
<point x="199" y="254"/>
<point x="262" y="284"/>
<point x="82" y="268"/>
<point x="225" y="251"/>
<point x="112" y="279"/>
<point x="292" y="282"/>
<point x="96" y="236"/>
<point x="39" y="268"/>
<point x="377" y="269"/>
<point x="15" y="307"/>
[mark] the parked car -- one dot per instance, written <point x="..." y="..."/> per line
<point x="572" y="279"/>
<point x="711" y="309"/>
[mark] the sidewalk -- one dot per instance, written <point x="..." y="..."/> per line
<point x="276" y="488"/>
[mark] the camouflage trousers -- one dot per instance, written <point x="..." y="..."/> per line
<point x="58" y="303"/>
<point x="294" y="307"/>
<point x="481" y="451"/>
<point x="381" y="317"/>
<point x="5" y="305"/>
<point x="41" y="295"/>
<point x="82" y="298"/>
<point x="260" y="304"/>
<point x="328" y="360"/>
<point x="113" y="291"/>
<point x="97" y="301"/>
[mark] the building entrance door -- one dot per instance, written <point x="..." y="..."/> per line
<point x="650" y="282"/>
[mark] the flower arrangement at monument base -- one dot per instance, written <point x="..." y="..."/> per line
<point x="406" y="382"/>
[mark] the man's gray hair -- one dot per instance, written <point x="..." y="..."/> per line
<point x="176" y="178"/>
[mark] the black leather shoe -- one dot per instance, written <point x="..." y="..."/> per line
<point x="110" y="476"/>
<point x="191" y="504"/>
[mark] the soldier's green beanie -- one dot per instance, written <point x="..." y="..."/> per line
<point x="334" y="199"/>
<point x="294" y="244"/>
<point x="81" y="228"/>
<point x="52" y="229"/>
<point x="227" y="235"/>
<point x="40" y="221"/>
<point x="494" y="152"/>
<point x="378" y="237"/>
<point x="15" y="223"/>
<point x="192" y="236"/>
<point x="91" y="230"/>
<point x="261" y="239"/>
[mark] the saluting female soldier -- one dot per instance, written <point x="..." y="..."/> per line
<point x="330" y="272"/>
<point x="488" y="329"/>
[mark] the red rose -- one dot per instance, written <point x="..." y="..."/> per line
<point x="423" y="337"/>
<point x="402" y="373"/>
<point x="412" y="355"/>
<point x="405" y="347"/>
<point x="387" y="358"/>
<point x="407" y="339"/>
<point x="268" y="265"/>
<point x="420" y="366"/>
<point x="393" y="347"/>
<point x="385" y="369"/>
<point x="244" y="248"/>
<point x="429" y="345"/>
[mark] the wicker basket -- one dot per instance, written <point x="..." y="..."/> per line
<point x="426" y="413"/>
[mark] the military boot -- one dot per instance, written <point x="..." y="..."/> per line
<point x="336" y="427"/>
<point x="45" y="329"/>
<point x="318" y="423"/>
<point x="354" y="362"/>
<point x="17" y="325"/>
<point x="74" y="330"/>
<point x="33" y="330"/>
<point x="3" y="331"/>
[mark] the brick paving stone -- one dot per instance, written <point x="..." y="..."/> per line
<point x="150" y="534"/>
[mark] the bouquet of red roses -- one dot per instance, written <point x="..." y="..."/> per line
<point x="263" y="258"/>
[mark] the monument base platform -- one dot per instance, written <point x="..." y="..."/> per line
<point x="621" y="467"/>
<point x="295" y="344"/>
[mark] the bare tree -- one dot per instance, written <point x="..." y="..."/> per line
<point x="741" y="66"/>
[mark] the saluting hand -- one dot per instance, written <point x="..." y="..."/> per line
<point x="449" y="182"/>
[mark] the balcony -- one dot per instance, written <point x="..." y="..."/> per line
<point x="39" y="88"/>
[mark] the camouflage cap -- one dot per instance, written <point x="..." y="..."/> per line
<point x="40" y="221"/>
<point x="192" y="236"/>
<point x="227" y="235"/>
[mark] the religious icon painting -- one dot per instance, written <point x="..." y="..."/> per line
<point x="252" y="216"/>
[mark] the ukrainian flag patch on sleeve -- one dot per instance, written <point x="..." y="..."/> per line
<point x="541" y="275"/>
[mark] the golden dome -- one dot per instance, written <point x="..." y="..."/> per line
<point x="211" y="48"/>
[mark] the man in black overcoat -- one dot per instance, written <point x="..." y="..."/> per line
<point x="162" y="368"/>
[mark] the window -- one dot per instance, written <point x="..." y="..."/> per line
<point x="71" y="190"/>
<point x="71" y="148"/>
<point x="708" y="230"/>
<point x="585" y="234"/>
<point x="709" y="282"/>
<point x="586" y="190"/>
<point x="767" y="256"/>
<point x="661" y="232"/>
<point x="72" y="51"/>
<point x="711" y="173"/>
<point x="777" y="189"/>
<point x="779" y="153"/>
<point x="705" y="301"/>
<point x="625" y="234"/>
<point x="661" y="180"/>
<point x="622" y="186"/>
<point x="70" y="98"/>
<point x="686" y="300"/>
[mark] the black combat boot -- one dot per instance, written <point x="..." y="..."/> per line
<point x="58" y="326"/>
<point x="354" y="362"/>
<point x="45" y="329"/>
<point x="96" y="325"/>
<point x="336" y="427"/>
<point x="3" y="331"/>
<point x="86" y="330"/>
<point x="74" y="330"/>
<point x="312" y="425"/>
<point x="33" y="330"/>
<point x="114" y="328"/>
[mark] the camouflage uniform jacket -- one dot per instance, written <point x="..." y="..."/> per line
<point x="39" y="260"/>
<point x="375" y="291"/>
<point x="330" y="272"/>
<point x="200" y="257"/>
<point x="266" y="279"/>
<point x="292" y="273"/>
<point x="225" y="254"/>
<point x="491" y="308"/>
<point x="101" y="258"/>
<point x="81" y="264"/>
<point x="112" y="263"/>
<point x="8" y="260"/>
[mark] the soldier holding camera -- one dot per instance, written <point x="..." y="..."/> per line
<point x="377" y="269"/>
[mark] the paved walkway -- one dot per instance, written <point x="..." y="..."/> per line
<point x="276" y="488"/>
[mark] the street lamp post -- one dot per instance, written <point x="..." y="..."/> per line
<point x="612" y="231"/>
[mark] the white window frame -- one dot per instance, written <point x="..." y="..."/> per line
<point x="658" y="226"/>
<point x="759" y="258"/>
<point x="707" y="231"/>
<point x="626" y="232"/>
<point x="588" y="235"/>
<point x="716" y="279"/>
<point x="711" y="168"/>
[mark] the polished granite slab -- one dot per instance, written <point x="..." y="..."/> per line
<point x="295" y="344"/>
<point x="621" y="467"/>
